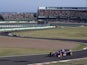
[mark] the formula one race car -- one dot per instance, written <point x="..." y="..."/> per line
<point x="60" y="53"/>
<point x="11" y="34"/>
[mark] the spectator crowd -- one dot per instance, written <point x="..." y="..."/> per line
<point x="64" y="14"/>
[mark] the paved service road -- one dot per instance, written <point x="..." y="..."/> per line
<point x="25" y="60"/>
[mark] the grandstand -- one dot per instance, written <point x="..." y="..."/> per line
<point x="15" y="16"/>
<point x="49" y="14"/>
<point x="63" y="14"/>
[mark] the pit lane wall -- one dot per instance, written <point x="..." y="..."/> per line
<point x="27" y="28"/>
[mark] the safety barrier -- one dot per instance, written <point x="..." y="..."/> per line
<point x="27" y="28"/>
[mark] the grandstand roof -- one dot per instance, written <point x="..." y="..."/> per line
<point x="63" y="8"/>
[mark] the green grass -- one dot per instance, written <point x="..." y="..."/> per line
<point x="67" y="32"/>
<point x="20" y="51"/>
<point x="77" y="62"/>
<point x="30" y="51"/>
<point x="80" y="47"/>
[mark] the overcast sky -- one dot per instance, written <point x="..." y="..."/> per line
<point x="32" y="5"/>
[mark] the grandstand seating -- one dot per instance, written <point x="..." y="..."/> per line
<point x="70" y="14"/>
<point x="18" y="16"/>
<point x="63" y="13"/>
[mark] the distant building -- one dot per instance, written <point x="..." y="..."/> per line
<point x="18" y="16"/>
<point x="68" y="14"/>
<point x="49" y="14"/>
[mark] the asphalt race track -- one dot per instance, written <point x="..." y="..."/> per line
<point x="25" y="60"/>
<point x="74" y="40"/>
